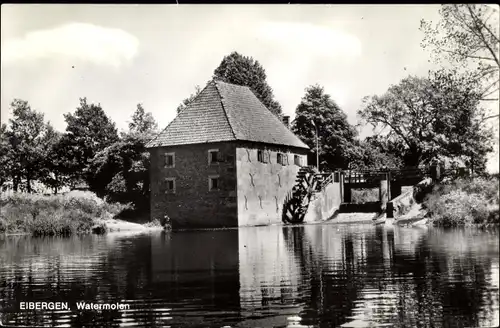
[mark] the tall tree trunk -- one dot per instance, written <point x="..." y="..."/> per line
<point x="28" y="181"/>
<point x="15" y="182"/>
<point x="56" y="178"/>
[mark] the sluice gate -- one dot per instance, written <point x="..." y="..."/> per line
<point x="310" y="183"/>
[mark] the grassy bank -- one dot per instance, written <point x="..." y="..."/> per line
<point x="74" y="212"/>
<point x="464" y="202"/>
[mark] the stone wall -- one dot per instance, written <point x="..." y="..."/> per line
<point x="324" y="204"/>
<point x="193" y="205"/>
<point x="403" y="203"/>
<point x="262" y="187"/>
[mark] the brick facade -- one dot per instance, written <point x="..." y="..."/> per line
<point x="251" y="192"/>
<point x="193" y="204"/>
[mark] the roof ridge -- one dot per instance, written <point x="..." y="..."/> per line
<point x="224" y="108"/>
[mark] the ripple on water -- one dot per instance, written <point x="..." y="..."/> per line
<point x="309" y="276"/>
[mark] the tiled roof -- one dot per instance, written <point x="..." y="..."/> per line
<point x="225" y="112"/>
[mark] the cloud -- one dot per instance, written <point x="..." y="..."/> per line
<point x="100" y="45"/>
<point x="311" y="38"/>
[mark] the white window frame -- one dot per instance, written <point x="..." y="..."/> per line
<point x="167" y="191"/>
<point x="210" y="151"/>
<point x="173" y="160"/>
<point x="210" y="186"/>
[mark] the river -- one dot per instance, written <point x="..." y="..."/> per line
<point x="308" y="276"/>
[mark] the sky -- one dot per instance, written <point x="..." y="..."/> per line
<point x="122" y="55"/>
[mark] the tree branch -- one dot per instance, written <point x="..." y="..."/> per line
<point x="487" y="28"/>
<point x="470" y="56"/>
<point x="484" y="72"/>
<point x="486" y="94"/>
<point x="397" y="131"/>
<point x="488" y="117"/>
<point x="482" y="36"/>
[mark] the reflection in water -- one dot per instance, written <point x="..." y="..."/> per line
<point x="308" y="276"/>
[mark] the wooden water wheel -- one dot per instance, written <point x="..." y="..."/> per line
<point x="297" y="201"/>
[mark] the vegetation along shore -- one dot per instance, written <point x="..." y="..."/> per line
<point x="464" y="202"/>
<point x="63" y="214"/>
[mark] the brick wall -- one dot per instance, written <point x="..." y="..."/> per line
<point x="262" y="187"/>
<point x="193" y="205"/>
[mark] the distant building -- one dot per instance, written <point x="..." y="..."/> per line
<point x="224" y="161"/>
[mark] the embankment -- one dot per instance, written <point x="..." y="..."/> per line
<point x="71" y="213"/>
<point x="464" y="202"/>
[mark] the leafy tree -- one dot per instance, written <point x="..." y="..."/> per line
<point x="5" y="156"/>
<point x="122" y="168"/>
<point x="69" y="167"/>
<point x="459" y="129"/>
<point x="88" y="131"/>
<point x="337" y="143"/>
<point x="468" y="34"/>
<point x="27" y="147"/>
<point x="430" y="117"/>
<point x="189" y="99"/>
<point x="242" y="70"/>
<point x="51" y="172"/>
<point x="377" y="152"/>
<point x="142" y="121"/>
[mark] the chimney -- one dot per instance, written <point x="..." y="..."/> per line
<point x="286" y="121"/>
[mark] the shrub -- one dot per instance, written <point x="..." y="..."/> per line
<point x="421" y="190"/>
<point x="154" y="224"/>
<point x="464" y="202"/>
<point x="71" y="213"/>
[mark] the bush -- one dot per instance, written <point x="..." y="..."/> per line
<point x="464" y="202"/>
<point x="421" y="190"/>
<point x="359" y="196"/>
<point x="66" y="214"/>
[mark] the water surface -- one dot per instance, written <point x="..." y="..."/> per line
<point x="309" y="276"/>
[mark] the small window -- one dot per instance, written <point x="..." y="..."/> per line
<point x="282" y="159"/>
<point x="170" y="160"/>
<point x="296" y="160"/>
<point x="267" y="156"/>
<point x="263" y="156"/>
<point x="213" y="156"/>
<point x="260" y="156"/>
<point x="170" y="185"/>
<point x="213" y="183"/>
